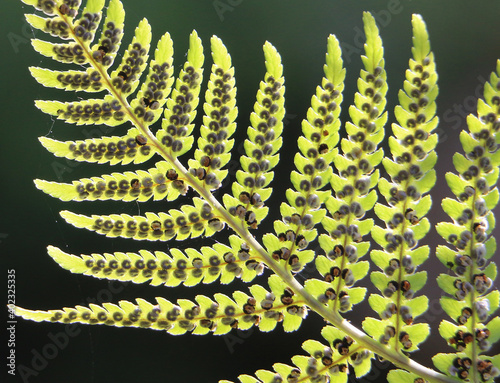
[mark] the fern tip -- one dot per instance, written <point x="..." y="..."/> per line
<point x="40" y="184"/>
<point x="66" y="214"/>
<point x="367" y="16"/>
<point x="417" y="16"/>
<point x="52" y="248"/>
<point x="37" y="316"/>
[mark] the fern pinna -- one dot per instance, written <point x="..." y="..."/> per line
<point x="333" y="189"/>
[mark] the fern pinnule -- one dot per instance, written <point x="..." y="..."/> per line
<point x="264" y="140"/>
<point x="189" y="221"/>
<point x="70" y="80"/>
<point x="343" y="246"/>
<point x="472" y="297"/>
<point x="189" y="266"/>
<point x="214" y="143"/>
<point x="106" y="48"/>
<point x="317" y="149"/>
<point x="150" y="99"/>
<point x="321" y="136"/>
<point x="320" y="133"/>
<point x="177" y="127"/>
<point x="316" y="152"/>
<point x="129" y="186"/>
<point x="113" y="149"/>
<point x="219" y="315"/>
<point x="412" y="175"/>
<point x="125" y="78"/>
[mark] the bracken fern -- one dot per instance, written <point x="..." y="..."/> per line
<point x="334" y="187"/>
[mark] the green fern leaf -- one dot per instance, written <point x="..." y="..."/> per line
<point x="181" y="106"/>
<point x="132" y="147"/>
<point x="128" y="186"/>
<point x="476" y="194"/>
<point x="190" y="221"/>
<point x="88" y="80"/>
<point x="157" y="86"/>
<point x="264" y="140"/>
<point x="205" y="315"/>
<point x="189" y="266"/>
<point x="352" y="187"/>
<point x="215" y="144"/>
<point x="90" y="36"/>
<point x="412" y="148"/>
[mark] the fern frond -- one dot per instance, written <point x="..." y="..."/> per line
<point x="105" y="50"/>
<point x="125" y="78"/>
<point x="250" y="191"/>
<point x="353" y="198"/>
<point x="219" y="125"/>
<point x="112" y="110"/>
<point x="181" y="106"/>
<point x="317" y="149"/>
<point x="412" y="176"/>
<point x="154" y="91"/>
<point x="190" y="221"/>
<point x="129" y="186"/>
<point x="473" y="297"/>
<point x="72" y="80"/>
<point x="92" y="43"/>
<point x="107" y="111"/>
<point x="189" y="266"/>
<point x="205" y="315"/>
<point x="133" y="147"/>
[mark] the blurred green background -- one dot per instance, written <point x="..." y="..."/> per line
<point x="466" y="43"/>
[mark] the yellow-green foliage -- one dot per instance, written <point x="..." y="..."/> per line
<point x="336" y="182"/>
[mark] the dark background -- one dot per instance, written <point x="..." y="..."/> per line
<point x="465" y="39"/>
